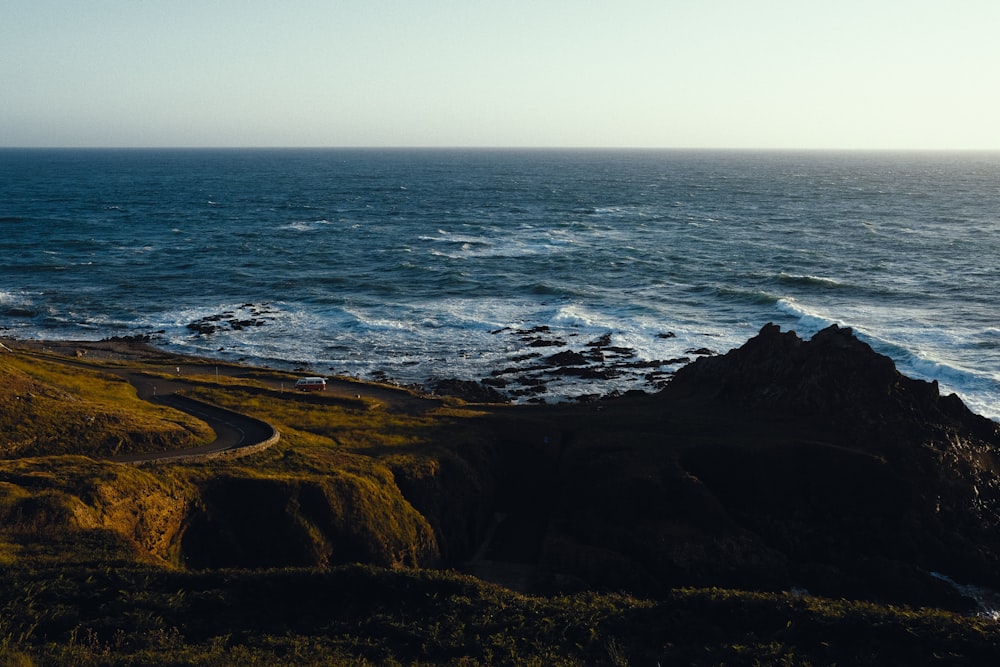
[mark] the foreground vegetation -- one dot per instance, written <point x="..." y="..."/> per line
<point x="258" y="560"/>
<point x="361" y="615"/>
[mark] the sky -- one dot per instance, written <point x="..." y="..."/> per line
<point x="781" y="74"/>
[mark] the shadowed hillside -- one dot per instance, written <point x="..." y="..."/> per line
<point x="786" y="465"/>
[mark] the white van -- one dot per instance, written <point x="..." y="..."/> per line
<point x="311" y="384"/>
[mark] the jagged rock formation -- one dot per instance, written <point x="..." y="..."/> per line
<point x="918" y="469"/>
<point x="835" y="378"/>
<point x="787" y="463"/>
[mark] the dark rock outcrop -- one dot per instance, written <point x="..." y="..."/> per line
<point x="467" y="390"/>
<point x="567" y="358"/>
<point x="834" y="376"/>
<point x="863" y="463"/>
<point x="786" y="463"/>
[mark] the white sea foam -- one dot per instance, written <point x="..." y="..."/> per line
<point x="14" y="298"/>
<point x="988" y="600"/>
<point x="465" y="247"/>
<point x="583" y="244"/>
<point x="809" y="320"/>
<point x="811" y="279"/>
<point x="305" y="225"/>
<point x="916" y="350"/>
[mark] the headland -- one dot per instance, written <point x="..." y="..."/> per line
<point x="787" y="480"/>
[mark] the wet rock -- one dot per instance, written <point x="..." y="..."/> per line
<point x="533" y="331"/>
<point x="211" y="324"/>
<point x="137" y="339"/>
<point x="529" y="391"/>
<point x="203" y="328"/>
<point x="467" y="390"/>
<point x="544" y="342"/>
<point x="589" y="372"/>
<point x="618" y="351"/>
<point x="567" y="358"/>
<point x="603" y="341"/>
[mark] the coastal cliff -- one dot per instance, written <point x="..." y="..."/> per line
<point x="785" y="464"/>
<point x="757" y="506"/>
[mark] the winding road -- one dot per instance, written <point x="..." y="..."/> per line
<point x="235" y="433"/>
<point x="159" y="377"/>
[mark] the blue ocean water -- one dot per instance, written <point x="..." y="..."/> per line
<point x="422" y="264"/>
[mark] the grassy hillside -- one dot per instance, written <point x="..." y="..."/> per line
<point x="47" y="408"/>
<point x="325" y="549"/>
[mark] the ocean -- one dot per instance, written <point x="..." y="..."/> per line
<point x="552" y="274"/>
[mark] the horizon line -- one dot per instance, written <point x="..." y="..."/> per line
<point x="784" y="149"/>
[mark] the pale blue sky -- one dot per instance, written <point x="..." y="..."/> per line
<point x="621" y="73"/>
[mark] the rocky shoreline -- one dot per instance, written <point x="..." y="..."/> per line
<point x="526" y="377"/>
<point x="543" y="359"/>
<point x="530" y="372"/>
<point x="783" y="464"/>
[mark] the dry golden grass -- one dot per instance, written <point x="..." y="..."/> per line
<point x="330" y="480"/>
<point x="48" y="408"/>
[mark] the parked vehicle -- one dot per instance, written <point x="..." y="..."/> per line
<point x="311" y="384"/>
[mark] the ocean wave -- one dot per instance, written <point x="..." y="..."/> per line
<point x="577" y="316"/>
<point x="459" y="239"/>
<point x="755" y="297"/>
<point x="304" y="225"/>
<point x="582" y="245"/>
<point x="980" y="390"/>
<point x="990" y="337"/>
<point x="466" y="249"/>
<point x="14" y="298"/>
<point x="812" y="281"/>
<point x="810" y="320"/>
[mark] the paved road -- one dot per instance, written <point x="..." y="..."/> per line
<point x="233" y="431"/>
